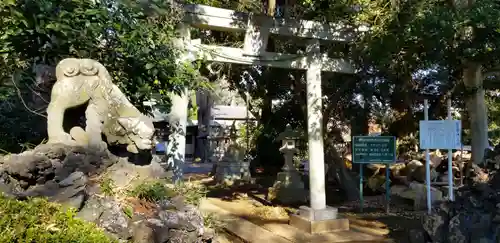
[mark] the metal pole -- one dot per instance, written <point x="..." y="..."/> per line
<point x="427" y="163"/>
<point x="450" y="161"/>
<point x="247" y="79"/>
<point x="361" y="187"/>
<point x="387" y="189"/>
<point x="460" y="165"/>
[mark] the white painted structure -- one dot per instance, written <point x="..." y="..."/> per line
<point x="439" y="134"/>
<point x="257" y="30"/>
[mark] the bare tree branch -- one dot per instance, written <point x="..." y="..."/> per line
<point x="19" y="94"/>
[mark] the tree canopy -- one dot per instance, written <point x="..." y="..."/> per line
<point x="414" y="50"/>
<point x="133" y="39"/>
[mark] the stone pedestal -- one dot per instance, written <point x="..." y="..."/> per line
<point x="231" y="165"/>
<point x="319" y="221"/>
<point x="230" y="171"/>
<point x="288" y="187"/>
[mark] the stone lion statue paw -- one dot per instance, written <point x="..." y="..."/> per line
<point x="82" y="139"/>
<point x="79" y="135"/>
<point x="63" y="137"/>
<point x="99" y="146"/>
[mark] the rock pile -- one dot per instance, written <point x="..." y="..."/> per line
<point x="68" y="175"/>
<point x="57" y="171"/>
<point x="408" y="178"/>
<point x="403" y="173"/>
<point x="474" y="216"/>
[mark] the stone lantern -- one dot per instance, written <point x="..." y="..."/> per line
<point x="288" y="140"/>
<point x="231" y="166"/>
<point x="288" y="187"/>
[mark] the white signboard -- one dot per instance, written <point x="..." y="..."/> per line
<point x="440" y="134"/>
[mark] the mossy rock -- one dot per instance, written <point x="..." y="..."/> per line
<point x="37" y="220"/>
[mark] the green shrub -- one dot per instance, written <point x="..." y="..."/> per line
<point x="152" y="191"/>
<point x="107" y="186"/>
<point x="37" y="220"/>
<point x="210" y="220"/>
<point x="192" y="192"/>
<point x="158" y="190"/>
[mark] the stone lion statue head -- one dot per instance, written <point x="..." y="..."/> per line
<point x="140" y="131"/>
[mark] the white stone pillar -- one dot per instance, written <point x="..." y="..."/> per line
<point x="315" y="128"/>
<point x="176" y="147"/>
<point x="256" y="38"/>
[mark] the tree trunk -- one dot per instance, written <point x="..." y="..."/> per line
<point x="476" y="107"/>
<point x="348" y="183"/>
<point x="271" y="7"/>
<point x="475" y="102"/>
<point x="345" y="179"/>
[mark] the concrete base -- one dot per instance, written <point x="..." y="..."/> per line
<point x="319" y="221"/>
<point x="321" y="226"/>
<point x="321" y="214"/>
<point x="288" y="189"/>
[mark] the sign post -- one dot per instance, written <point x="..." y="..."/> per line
<point x="374" y="149"/>
<point x="450" y="156"/>
<point x="440" y="134"/>
<point x="427" y="162"/>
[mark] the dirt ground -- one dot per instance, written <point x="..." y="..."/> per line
<point x="250" y="203"/>
<point x="400" y="219"/>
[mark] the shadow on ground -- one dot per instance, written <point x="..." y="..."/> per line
<point x="398" y="222"/>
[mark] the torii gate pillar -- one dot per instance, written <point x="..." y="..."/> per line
<point x="176" y="147"/>
<point x="318" y="217"/>
<point x="315" y="128"/>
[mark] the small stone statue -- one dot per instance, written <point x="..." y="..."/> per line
<point x="231" y="166"/>
<point x="81" y="81"/>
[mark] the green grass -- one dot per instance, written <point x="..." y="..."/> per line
<point x="107" y="186"/>
<point x="37" y="220"/>
<point x="192" y="193"/>
<point x="152" y="191"/>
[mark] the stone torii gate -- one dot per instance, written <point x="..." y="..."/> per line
<point x="258" y="29"/>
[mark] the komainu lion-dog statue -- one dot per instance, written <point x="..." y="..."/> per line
<point x="109" y="112"/>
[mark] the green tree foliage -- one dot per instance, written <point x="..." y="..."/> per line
<point x="493" y="101"/>
<point x="443" y="38"/>
<point x="133" y="39"/>
<point x="417" y="50"/>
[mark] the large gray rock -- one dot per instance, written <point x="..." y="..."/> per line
<point x="68" y="175"/>
<point x="56" y="171"/>
<point x="142" y="232"/>
<point x="417" y="236"/>
<point x="92" y="210"/>
<point x="114" y="220"/>
<point x="107" y="213"/>
<point x="123" y="172"/>
<point x="417" y="192"/>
